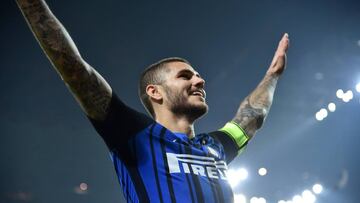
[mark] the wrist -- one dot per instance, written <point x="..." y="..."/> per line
<point x="272" y="74"/>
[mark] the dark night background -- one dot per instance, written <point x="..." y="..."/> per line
<point x="48" y="147"/>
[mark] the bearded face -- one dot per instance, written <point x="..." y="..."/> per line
<point x="185" y="99"/>
<point x="182" y="103"/>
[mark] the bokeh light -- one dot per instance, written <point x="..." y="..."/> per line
<point x="357" y="87"/>
<point x="332" y="107"/>
<point x="340" y="93"/>
<point x="236" y="176"/>
<point x="308" y="196"/>
<point x="317" y="188"/>
<point x="239" y="198"/>
<point x="262" y="171"/>
<point x="83" y="186"/>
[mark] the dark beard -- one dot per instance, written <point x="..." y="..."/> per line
<point x="180" y="106"/>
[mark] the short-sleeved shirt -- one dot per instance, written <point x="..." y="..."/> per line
<point x="154" y="164"/>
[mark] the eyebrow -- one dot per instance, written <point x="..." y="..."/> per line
<point x="187" y="71"/>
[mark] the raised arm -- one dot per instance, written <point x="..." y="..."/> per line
<point x="255" y="107"/>
<point x="91" y="91"/>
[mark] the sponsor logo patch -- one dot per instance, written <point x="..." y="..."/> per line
<point x="197" y="165"/>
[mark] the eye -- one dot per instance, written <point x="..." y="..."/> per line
<point x="185" y="76"/>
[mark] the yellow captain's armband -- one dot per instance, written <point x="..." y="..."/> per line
<point x="236" y="133"/>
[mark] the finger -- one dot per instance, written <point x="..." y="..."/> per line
<point x="284" y="43"/>
<point x="286" y="35"/>
<point x="285" y="39"/>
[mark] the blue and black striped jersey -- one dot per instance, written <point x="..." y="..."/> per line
<point x="154" y="164"/>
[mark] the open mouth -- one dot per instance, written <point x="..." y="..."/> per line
<point x="200" y="93"/>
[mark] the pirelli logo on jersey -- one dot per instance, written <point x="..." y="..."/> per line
<point x="197" y="165"/>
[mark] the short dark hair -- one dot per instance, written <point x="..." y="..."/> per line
<point x="153" y="74"/>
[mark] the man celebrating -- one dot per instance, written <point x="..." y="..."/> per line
<point x="158" y="158"/>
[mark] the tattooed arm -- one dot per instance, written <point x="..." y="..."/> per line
<point x="253" y="110"/>
<point x="91" y="91"/>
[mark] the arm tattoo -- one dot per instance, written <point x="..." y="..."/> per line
<point x="253" y="110"/>
<point x="91" y="90"/>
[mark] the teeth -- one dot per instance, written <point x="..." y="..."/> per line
<point x="197" y="93"/>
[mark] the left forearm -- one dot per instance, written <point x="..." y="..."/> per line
<point x="255" y="107"/>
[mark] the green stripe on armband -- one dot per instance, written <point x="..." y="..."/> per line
<point x="236" y="132"/>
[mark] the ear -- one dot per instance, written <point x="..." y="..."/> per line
<point x="154" y="92"/>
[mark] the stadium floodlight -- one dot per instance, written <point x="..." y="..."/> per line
<point x="317" y="188"/>
<point x="262" y="171"/>
<point x="243" y="173"/>
<point x="340" y="93"/>
<point x="345" y="99"/>
<point x="319" y="116"/>
<point x="254" y="200"/>
<point x="323" y="112"/>
<point x="232" y="178"/>
<point x="297" y="199"/>
<point x="239" y="198"/>
<point x="357" y="87"/>
<point x="83" y="186"/>
<point x="261" y="200"/>
<point x="235" y="176"/>
<point x="350" y="94"/>
<point x="332" y="107"/>
<point x="308" y="196"/>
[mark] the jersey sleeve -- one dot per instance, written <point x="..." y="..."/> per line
<point x="121" y="123"/>
<point x="233" y="138"/>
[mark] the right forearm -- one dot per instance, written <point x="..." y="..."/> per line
<point x="91" y="90"/>
<point x="52" y="36"/>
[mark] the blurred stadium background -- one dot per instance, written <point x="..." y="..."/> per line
<point x="307" y="151"/>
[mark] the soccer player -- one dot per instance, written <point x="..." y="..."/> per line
<point x="158" y="158"/>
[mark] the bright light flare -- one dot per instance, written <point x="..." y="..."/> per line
<point x="262" y="171"/>
<point x="340" y="93"/>
<point x="317" y="188"/>
<point x="81" y="189"/>
<point x="236" y="176"/>
<point x="345" y="99"/>
<point x="233" y="178"/>
<point x="324" y="112"/>
<point x="357" y="87"/>
<point x="83" y="186"/>
<point x="332" y="107"/>
<point x="308" y="196"/>
<point x="254" y="200"/>
<point x="297" y="199"/>
<point x="239" y="198"/>
<point x="349" y="95"/>
<point x="320" y="115"/>
<point x="261" y="200"/>
<point x="257" y="200"/>
<point x="243" y="174"/>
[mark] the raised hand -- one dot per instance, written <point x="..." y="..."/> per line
<point x="255" y="107"/>
<point x="278" y="63"/>
<point x="90" y="89"/>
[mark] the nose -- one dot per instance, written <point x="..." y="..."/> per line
<point x="199" y="82"/>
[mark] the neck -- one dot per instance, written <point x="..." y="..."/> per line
<point x="176" y="123"/>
